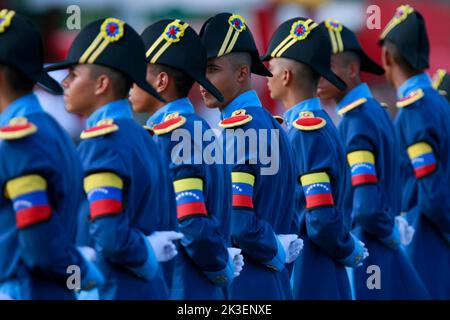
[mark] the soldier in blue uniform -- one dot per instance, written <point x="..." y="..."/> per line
<point x="441" y="82"/>
<point x="298" y="55"/>
<point x="423" y="129"/>
<point x="373" y="157"/>
<point x="176" y="58"/>
<point x="40" y="175"/>
<point x="262" y="217"/>
<point x="126" y="180"/>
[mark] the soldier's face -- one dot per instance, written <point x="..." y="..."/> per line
<point x="224" y="77"/>
<point x="141" y="100"/>
<point x="79" y="90"/>
<point x="326" y="90"/>
<point x="275" y="83"/>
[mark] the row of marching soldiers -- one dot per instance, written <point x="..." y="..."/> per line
<point x="159" y="228"/>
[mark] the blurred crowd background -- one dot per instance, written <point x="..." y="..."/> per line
<point x="262" y="16"/>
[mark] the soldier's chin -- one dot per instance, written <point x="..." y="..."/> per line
<point x="324" y="94"/>
<point x="211" y="102"/>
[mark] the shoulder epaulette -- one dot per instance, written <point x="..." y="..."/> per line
<point x="237" y="118"/>
<point x="102" y="128"/>
<point x="308" y="122"/>
<point x="150" y="130"/>
<point x="17" y="128"/>
<point x="351" y="106"/>
<point x="410" y="99"/>
<point x="171" y="122"/>
<point x="280" y="119"/>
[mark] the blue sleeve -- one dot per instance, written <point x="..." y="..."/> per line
<point x="111" y="228"/>
<point x="320" y="178"/>
<point x="421" y="137"/>
<point x="203" y="240"/>
<point x="254" y="236"/>
<point x="44" y="243"/>
<point x="368" y="202"/>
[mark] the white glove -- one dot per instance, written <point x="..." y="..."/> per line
<point x="88" y="253"/>
<point x="365" y="253"/>
<point x="292" y="246"/>
<point x="4" y="296"/>
<point x="238" y="260"/>
<point x="162" y="244"/>
<point x="406" y="231"/>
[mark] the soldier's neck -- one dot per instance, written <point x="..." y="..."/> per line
<point x="400" y="76"/>
<point x="7" y="97"/>
<point x="295" y="96"/>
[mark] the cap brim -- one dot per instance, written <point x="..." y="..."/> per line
<point x="258" y="67"/>
<point x="144" y="85"/>
<point x="60" y="65"/>
<point x="368" y="65"/>
<point x="48" y="83"/>
<point x="332" y="78"/>
<point x="205" y="83"/>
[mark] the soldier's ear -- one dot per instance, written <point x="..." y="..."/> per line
<point x="244" y="73"/>
<point x="287" y="77"/>
<point x="386" y="57"/>
<point x="162" y="82"/>
<point x="102" y="84"/>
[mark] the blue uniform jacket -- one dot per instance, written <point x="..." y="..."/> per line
<point x="373" y="158"/>
<point x="263" y="196"/>
<point x="41" y="179"/>
<point x="423" y="129"/>
<point x="203" y="197"/>
<point x="322" y="205"/>
<point x="130" y="196"/>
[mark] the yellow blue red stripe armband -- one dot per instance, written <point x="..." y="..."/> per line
<point x="189" y="197"/>
<point x="242" y="186"/>
<point x="104" y="192"/>
<point x="422" y="159"/>
<point x="30" y="201"/>
<point x="317" y="190"/>
<point x="362" y="165"/>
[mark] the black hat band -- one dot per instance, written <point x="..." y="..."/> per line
<point x="172" y="34"/>
<point x="111" y="30"/>
<point x="334" y="31"/>
<point x="299" y="31"/>
<point x="5" y="19"/>
<point x="237" y="25"/>
<point x="401" y="14"/>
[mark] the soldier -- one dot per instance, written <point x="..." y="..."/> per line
<point x="263" y="197"/>
<point x="40" y="175"/>
<point x="423" y="130"/>
<point x="372" y="155"/>
<point x="126" y="181"/>
<point x="298" y="55"/>
<point x="176" y="59"/>
<point x="441" y="82"/>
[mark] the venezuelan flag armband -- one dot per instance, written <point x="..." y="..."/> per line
<point x="317" y="190"/>
<point x="362" y="166"/>
<point x="422" y="159"/>
<point x="189" y="198"/>
<point x="242" y="186"/>
<point x="104" y="193"/>
<point x="30" y="200"/>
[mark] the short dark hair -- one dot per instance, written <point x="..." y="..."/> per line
<point x="121" y="83"/>
<point x="349" y="57"/>
<point x="306" y="74"/>
<point x="183" y="82"/>
<point x="399" y="58"/>
<point x="17" y="80"/>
